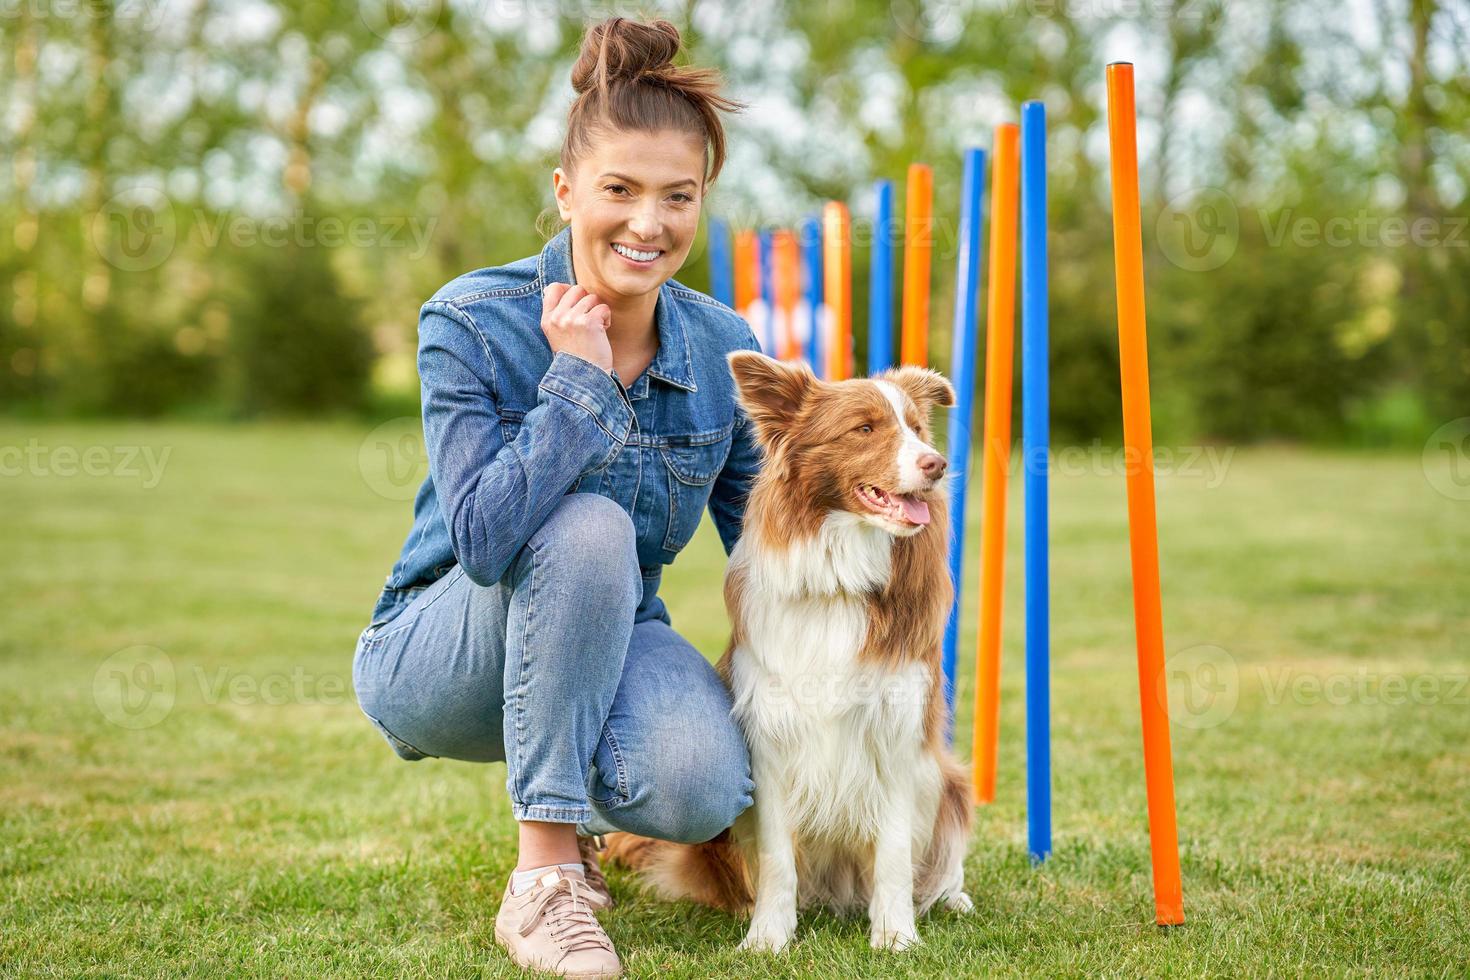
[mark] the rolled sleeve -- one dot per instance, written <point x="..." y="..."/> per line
<point x="596" y="391"/>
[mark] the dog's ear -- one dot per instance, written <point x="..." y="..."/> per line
<point x="927" y="388"/>
<point x="772" y="392"/>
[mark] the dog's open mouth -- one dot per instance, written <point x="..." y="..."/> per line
<point x="896" y="507"/>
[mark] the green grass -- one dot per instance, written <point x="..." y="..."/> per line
<point x="262" y="826"/>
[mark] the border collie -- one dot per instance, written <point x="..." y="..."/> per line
<point x="838" y="592"/>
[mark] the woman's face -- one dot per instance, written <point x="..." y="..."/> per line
<point x="633" y="203"/>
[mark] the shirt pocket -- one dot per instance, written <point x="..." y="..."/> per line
<point x="691" y="464"/>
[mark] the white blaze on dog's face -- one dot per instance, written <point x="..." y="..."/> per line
<point x="916" y="466"/>
<point x="861" y="446"/>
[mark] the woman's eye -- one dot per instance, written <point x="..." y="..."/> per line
<point x="616" y="188"/>
<point x="683" y="198"/>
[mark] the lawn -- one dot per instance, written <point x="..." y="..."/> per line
<point x="187" y="786"/>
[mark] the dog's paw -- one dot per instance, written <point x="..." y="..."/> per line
<point x="899" y="939"/>
<point x="958" y="902"/>
<point x="767" y="937"/>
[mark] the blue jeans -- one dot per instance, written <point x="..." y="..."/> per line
<point x="603" y="718"/>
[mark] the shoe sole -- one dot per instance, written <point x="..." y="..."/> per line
<point x="510" y="951"/>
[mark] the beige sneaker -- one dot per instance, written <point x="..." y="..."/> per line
<point x="551" y="927"/>
<point x="589" y="847"/>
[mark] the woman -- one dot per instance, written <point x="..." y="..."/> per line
<point x="579" y="416"/>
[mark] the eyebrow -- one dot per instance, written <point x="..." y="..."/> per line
<point x="630" y="180"/>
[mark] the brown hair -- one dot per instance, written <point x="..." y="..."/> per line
<point x="626" y="79"/>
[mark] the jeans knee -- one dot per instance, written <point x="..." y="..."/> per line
<point x="591" y="542"/>
<point x="718" y="812"/>
<point x="588" y="525"/>
<point x="684" y="801"/>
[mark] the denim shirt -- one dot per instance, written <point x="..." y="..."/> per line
<point x="509" y="429"/>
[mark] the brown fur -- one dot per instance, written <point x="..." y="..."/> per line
<point x="816" y="456"/>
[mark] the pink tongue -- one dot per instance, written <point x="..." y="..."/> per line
<point x="915" y="510"/>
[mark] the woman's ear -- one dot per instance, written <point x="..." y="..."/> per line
<point x="562" y="189"/>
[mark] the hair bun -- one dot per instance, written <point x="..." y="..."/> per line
<point x="627" y="50"/>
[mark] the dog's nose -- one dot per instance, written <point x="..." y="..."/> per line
<point x="932" y="465"/>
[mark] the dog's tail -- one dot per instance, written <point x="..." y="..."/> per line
<point x="712" y="873"/>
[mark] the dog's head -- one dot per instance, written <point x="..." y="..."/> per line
<point x="862" y="446"/>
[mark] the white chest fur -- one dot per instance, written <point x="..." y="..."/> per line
<point x="837" y="734"/>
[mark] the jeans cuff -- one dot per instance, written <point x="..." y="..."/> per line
<point x="550" y="814"/>
<point x="595" y="824"/>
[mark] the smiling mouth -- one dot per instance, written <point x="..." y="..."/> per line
<point x="904" y="509"/>
<point x="638" y="257"/>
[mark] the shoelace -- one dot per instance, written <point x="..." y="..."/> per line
<point x="577" y="927"/>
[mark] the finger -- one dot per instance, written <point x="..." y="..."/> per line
<point x="552" y="295"/>
<point x="601" y="314"/>
<point x="584" y="304"/>
<point x="573" y="295"/>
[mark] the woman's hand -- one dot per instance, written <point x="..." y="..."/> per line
<point x="576" y="321"/>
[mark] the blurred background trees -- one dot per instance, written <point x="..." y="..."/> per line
<point x="236" y="208"/>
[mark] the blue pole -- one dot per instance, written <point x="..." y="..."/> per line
<point x="1035" y="449"/>
<point x="880" y="285"/>
<point x="962" y="371"/>
<point x="721" y="265"/>
<point x="811" y="253"/>
<point x="768" y="294"/>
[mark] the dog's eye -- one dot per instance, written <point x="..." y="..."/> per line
<point x="865" y="429"/>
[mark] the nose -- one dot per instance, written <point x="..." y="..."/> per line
<point x="645" y="225"/>
<point x="932" y="465"/>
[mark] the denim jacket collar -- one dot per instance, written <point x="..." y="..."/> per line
<point x="673" y="364"/>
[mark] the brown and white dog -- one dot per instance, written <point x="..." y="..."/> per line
<point x="838" y="592"/>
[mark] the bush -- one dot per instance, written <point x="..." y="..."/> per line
<point x="298" y="342"/>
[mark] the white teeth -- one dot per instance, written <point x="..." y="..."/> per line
<point x="635" y="256"/>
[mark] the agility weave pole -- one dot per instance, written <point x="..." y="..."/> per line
<point x="880" y="281"/>
<point x="721" y="264"/>
<point x="786" y="263"/>
<point x="996" y="457"/>
<point x="1035" y="451"/>
<point x="962" y="375"/>
<point x="837" y="272"/>
<point x="918" y="247"/>
<point x="811" y="262"/>
<point x="1143" y="539"/>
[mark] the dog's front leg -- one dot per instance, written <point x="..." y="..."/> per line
<point x="773" y="922"/>
<point x="891" y="908"/>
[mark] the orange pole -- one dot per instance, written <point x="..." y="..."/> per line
<point x="837" y="280"/>
<point x="747" y="272"/>
<point x="786" y="268"/>
<point x="1143" y="538"/>
<point x="1000" y="337"/>
<point x="918" y="245"/>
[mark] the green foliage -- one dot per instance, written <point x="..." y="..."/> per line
<point x="297" y="341"/>
<point x="445" y="122"/>
<point x="142" y="371"/>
